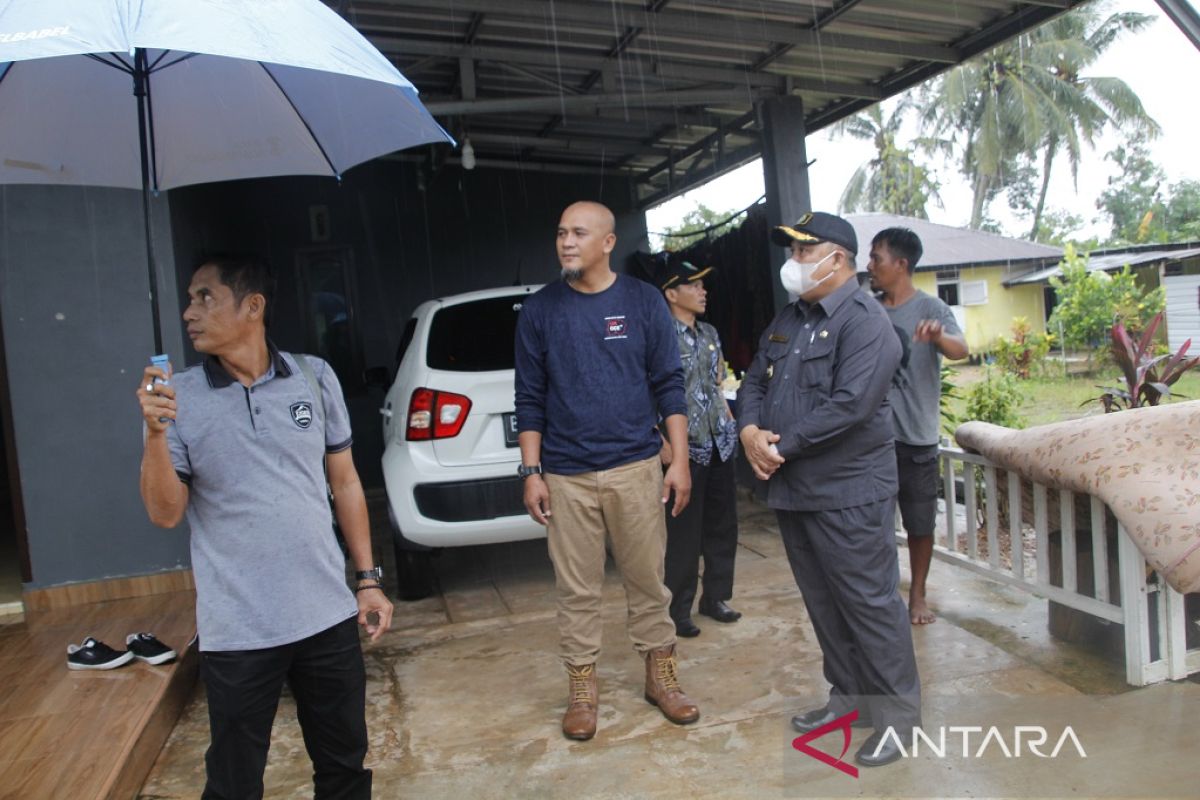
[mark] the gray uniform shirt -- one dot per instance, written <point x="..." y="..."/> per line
<point x="917" y="391"/>
<point x="820" y="379"/>
<point x="267" y="566"/>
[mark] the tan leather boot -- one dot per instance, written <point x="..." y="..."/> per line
<point x="580" y="720"/>
<point x="662" y="687"/>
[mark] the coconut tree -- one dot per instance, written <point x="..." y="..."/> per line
<point x="1091" y="103"/>
<point x="1028" y="99"/>
<point x="891" y="181"/>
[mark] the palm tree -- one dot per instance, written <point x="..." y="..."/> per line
<point x="1091" y="102"/>
<point x="891" y="181"/>
<point x="1028" y="98"/>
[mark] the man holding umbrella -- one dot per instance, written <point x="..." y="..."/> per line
<point x="242" y="444"/>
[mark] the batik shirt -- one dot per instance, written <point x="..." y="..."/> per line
<point x="708" y="420"/>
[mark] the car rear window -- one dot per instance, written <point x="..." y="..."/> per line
<point x="475" y="336"/>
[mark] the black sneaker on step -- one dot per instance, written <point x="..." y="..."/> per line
<point x="146" y="647"/>
<point x="95" y="655"/>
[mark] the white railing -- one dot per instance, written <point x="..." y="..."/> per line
<point x="1151" y="612"/>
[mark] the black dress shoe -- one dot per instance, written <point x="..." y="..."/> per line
<point x="686" y="628"/>
<point x="719" y="611"/>
<point x="877" y="751"/>
<point x="811" y="720"/>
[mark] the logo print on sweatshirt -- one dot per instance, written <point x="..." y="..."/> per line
<point x="302" y="414"/>
<point x="614" y="328"/>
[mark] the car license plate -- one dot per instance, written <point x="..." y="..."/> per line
<point x="510" y="429"/>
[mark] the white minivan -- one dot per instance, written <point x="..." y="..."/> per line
<point x="450" y="438"/>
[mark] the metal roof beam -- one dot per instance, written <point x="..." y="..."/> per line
<point x="473" y="28"/>
<point x="724" y="164"/>
<point x="558" y="105"/>
<point x="1185" y="16"/>
<point x="535" y="76"/>
<point x="823" y="19"/>
<point x="737" y="77"/>
<point x="701" y="144"/>
<point x="705" y="25"/>
<point x="985" y="38"/>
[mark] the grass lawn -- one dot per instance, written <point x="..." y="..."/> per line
<point x="1057" y="399"/>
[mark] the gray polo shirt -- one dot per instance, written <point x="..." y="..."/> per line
<point x="267" y="566"/>
<point x="820" y="380"/>
<point x="917" y="392"/>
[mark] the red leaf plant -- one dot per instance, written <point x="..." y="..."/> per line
<point x="1147" y="378"/>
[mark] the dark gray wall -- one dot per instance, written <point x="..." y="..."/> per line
<point x="77" y="332"/>
<point x="413" y="236"/>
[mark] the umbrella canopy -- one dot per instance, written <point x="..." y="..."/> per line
<point x="232" y="89"/>
<point x="154" y="94"/>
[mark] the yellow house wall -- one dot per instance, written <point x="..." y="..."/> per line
<point x="985" y="323"/>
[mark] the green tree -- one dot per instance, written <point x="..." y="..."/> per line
<point x="1057" y="227"/>
<point x="1182" y="217"/>
<point x="1089" y="103"/>
<point x="1089" y="303"/>
<point x="695" y="226"/>
<point x="1134" y="199"/>
<point x="1028" y="99"/>
<point x="891" y="182"/>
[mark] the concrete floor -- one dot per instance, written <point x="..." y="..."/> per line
<point x="466" y="693"/>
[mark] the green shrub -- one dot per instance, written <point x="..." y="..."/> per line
<point x="1090" y="302"/>
<point x="1026" y="350"/>
<point x="946" y="400"/>
<point x="994" y="399"/>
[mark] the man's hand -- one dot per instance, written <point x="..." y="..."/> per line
<point x="928" y="330"/>
<point x="758" y="445"/>
<point x="157" y="400"/>
<point x="679" y="479"/>
<point x="664" y="453"/>
<point x="374" y="601"/>
<point x="537" y="499"/>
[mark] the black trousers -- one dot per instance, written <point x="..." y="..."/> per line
<point x="708" y="528"/>
<point x="328" y="680"/>
<point x="844" y="562"/>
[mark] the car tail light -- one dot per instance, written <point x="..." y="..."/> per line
<point x="436" y="415"/>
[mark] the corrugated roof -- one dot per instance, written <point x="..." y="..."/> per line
<point x="947" y="247"/>
<point x="1109" y="262"/>
<point x="665" y="91"/>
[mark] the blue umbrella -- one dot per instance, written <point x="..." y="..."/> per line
<point x="154" y="94"/>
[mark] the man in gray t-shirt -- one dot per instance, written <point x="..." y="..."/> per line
<point x="243" y="444"/>
<point x="915" y="396"/>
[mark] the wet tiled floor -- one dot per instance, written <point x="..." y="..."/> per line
<point x="465" y="694"/>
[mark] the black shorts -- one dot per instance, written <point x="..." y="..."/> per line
<point x="917" y="469"/>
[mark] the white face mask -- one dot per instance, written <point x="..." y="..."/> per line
<point x="797" y="277"/>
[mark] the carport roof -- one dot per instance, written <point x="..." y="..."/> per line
<point x="665" y="90"/>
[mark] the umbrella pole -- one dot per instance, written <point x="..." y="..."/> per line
<point x="141" y="77"/>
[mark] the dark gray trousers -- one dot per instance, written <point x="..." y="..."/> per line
<point x="844" y="562"/>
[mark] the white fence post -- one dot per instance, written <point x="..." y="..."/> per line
<point x="1135" y="609"/>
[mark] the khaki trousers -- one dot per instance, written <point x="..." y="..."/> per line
<point x="624" y="506"/>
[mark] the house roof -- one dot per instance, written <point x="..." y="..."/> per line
<point x="665" y="91"/>
<point x="948" y="247"/>
<point x="1114" y="259"/>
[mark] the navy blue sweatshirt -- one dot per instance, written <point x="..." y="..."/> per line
<point x="594" y="372"/>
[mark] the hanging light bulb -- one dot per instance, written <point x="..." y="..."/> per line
<point x="468" y="154"/>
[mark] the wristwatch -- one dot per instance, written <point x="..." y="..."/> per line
<point x="524" y="472"/>
<point x="375" y="573"/>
